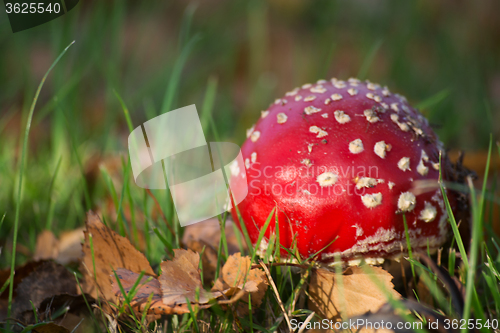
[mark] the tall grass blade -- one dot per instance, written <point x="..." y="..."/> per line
<point x="21" y="174"/>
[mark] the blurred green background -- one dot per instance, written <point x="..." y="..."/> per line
<point x="444" y="56"/>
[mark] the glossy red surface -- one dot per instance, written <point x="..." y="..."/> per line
<point x="279" y="175"/>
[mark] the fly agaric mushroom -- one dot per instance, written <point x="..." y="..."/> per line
<point x="341" y="161"/>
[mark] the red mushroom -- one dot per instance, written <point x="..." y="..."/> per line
<point x="341" y="162"/>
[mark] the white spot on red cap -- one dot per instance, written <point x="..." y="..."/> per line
<point x="341" y="117"/>
<point x="428" y="214"/>
<point x="293" y="92"/>
<point x="421" y="168"/>
<point x="386" y="92"/>
<point x="315" y="129"/>
<point x="424" y="156"/>
<point x="247" y="163"/>
<point x="306" y="86"/>
<point x="250" y="131"/>
<point x="352" y="91"/>
<point x="353" y="81"/>
<point x="298" y="98"/>
<point x="404" y="164"/>
<point x="282" y="118"/>
<point x="311" y="109"/>
<point x="359" y="230"/>
<point x="253" y="157"/>
<point x="371" y="116"/>
<point x="324" y="115"/>
<point x="435" y="166"/>
<point x="372" y="200"/>
<point x="371" y="86"/>
<point x="404" y="127"/>
<point x="327" y="179"/>
<point x="395" y="107"/>
<point x="356" y="146"/>
<point x="263" y="114"/>
<point x="255" y="136"/>
<point x="339" y="84"/>
<point x="407" y="202"/>
<point x="306" y="162"/>
<point x="380" y="148"/>
<point x="366" y="182"/>
<point x="336" y="97"/>
<point x="390" y="185"/>
<point x="235" y="168"/>
<point x="318" y="89"/>
<point x="328" y="101"/>
<point x="309" y="98"/>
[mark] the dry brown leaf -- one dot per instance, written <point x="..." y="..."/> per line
<point x="208" y="232"/>
<point x="207" y="235"/>
<point x="144" y="290"/>
<point x="46" y="246"/>
<point x="64" y="250"/>
<point x="21" y="272"/>
<point x="232" y="279"/>
<point x="45" y="281"/>
<point x="357" y="295"/>
<point x="180" y="279"/>
<point x="50" y="328"/>
<point x="111" y="251"/>
<point x="178" y="282"/>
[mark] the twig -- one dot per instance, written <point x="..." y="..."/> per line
<point x="270" y="278"/>
<point x="271" y="264"/>
<point x="304" y="325"/>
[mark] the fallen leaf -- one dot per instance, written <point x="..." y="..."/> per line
<point x="64" y="250"/>
<point x="178" y="283"/>
<point x="111" y="251"/>
<point x="45" y="281"/>
<point x="180" y="279"/>
<point x="76" y="311"/>
<point x="50" y="328"/>
<point x="206" y="235"/>
<point x="21" y="272"/>
<point x="357" y="295"/>
<point x="143" y="291"/>
<point x="208" y="232"/>
<point x="236" y="275"/>
<point x="46" y="246"/>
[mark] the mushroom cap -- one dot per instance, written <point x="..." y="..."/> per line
<point x="342" y="162"/>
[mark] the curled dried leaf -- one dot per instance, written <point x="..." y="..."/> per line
<point x="354" y="293"/>
<point x="237" y="276"/>
<point x="181" y="279"/>
<point x="111" y="251"/>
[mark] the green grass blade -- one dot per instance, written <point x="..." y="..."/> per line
<point x="408" y="244"/>
<point x="262" y="233"/>
<point x="365" y="66"/>
<point x="451" y="218"/>
<point x="125" y="111"/>
<point x="21" y="174"/>
<point x="433" y="100"/>
<point x="50" y="204"/>
<point x="176" y="74"/>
